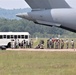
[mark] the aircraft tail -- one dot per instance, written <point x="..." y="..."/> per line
<point x="47" y="4"/>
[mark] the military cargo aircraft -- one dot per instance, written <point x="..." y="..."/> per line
<point x="59" y="13"/>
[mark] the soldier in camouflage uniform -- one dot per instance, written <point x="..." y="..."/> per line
<point x="62" y="44"/>
<point x="72" y="44"/>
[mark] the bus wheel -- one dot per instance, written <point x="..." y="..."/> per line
<point x="3" y="48"/>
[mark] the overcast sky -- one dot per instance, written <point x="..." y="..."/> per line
<point x="16" y="4"/>
<point x="13" y="4"/>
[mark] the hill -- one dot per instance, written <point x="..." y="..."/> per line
<point x="11" y="14"/>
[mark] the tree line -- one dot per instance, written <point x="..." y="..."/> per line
<point x="21" y="25"/>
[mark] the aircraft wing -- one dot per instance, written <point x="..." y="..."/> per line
<point x="47" y="4"/>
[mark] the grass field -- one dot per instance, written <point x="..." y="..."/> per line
<point x="37" y="63"/>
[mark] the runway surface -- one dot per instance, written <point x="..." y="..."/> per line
<point x="47" y="50"/>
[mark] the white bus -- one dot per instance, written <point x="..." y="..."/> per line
<point x="7" y="37"/>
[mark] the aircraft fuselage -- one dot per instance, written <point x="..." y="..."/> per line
<point x="64" y="18"/>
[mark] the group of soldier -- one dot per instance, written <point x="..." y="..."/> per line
<point x="54" y="43"/>
<point x="15" y="44"/>
<point x="59" y="43"/>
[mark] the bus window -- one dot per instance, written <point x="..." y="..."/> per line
<point x="26" y="36"/>
<point x="11" y="36"/>
<point x="4" y="36"/>
<point x="22" y="36"/>
<point x="0" y="36"/>
<point x="15" y="36"/>
<point x="8" y="36"/>
<point x="18" y="36"/>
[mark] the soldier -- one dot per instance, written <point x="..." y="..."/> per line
<point x="16" y="43"/>
<point x="56" y="44"/>
<point x="12" y="44"/>
<point x="27" y="46"/>
<point x="31" y="44"/>
<point x="67" y="43"/>
<point x="24" y="44"/>
<point x="50" y="43"/>
<point x="72" y="44"/>
<point x="42" y="44"/>
<point x="47" y="43"/>
<point x="52" y="46"/>
<point x="62" y="44"/>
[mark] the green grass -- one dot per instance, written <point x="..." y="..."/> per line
<point x="37" y="63"/>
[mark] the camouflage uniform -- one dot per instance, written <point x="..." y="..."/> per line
<point x="56" y="44"/>
<point x="67" y="44"/>
<point x="72" y="44"/>
<point x="62" y="44"/>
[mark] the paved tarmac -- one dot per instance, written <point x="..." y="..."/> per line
<point x="47" y="50"/>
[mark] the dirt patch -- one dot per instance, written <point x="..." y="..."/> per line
<point x="50" y="50"/>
